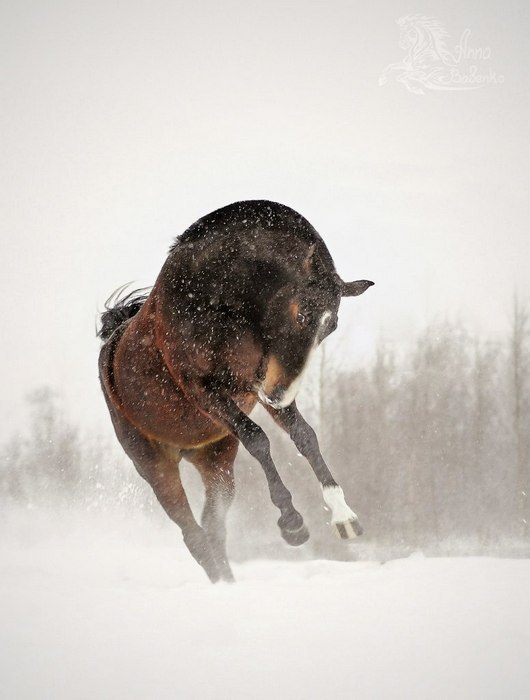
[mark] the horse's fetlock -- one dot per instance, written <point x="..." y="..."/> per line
<point x="291" y="521"/>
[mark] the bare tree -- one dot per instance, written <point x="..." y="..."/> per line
<point x="432" y="446"/>
<point x="520" y="364"/>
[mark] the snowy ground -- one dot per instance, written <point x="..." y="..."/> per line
<point x="95" y="611"/>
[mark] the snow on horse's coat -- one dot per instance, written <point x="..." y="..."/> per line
<point x="244" y="298"/>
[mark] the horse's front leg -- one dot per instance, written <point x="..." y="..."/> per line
<point x="343" y="520"/>
<point x="253" y="438"/>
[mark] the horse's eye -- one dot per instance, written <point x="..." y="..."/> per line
<point x="303" y="319"/>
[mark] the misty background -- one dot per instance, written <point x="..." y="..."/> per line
<point x="122" y="124"/>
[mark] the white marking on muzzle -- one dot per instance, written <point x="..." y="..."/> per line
<point x="324" y="318"/>
<point x="262" y="395"/>
<point x="290" y="393"/>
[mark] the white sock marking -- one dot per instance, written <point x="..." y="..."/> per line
<point x="340" y="510"/>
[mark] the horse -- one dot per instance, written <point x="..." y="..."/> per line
<point x="244" y="298"/>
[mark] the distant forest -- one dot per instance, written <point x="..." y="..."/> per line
<point x="431" y="447"/>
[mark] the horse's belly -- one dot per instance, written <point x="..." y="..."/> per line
<point x="159" y="408"/>
<point x="174" y="420"/>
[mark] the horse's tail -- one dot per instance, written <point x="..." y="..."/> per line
<point x="120" y="308"/>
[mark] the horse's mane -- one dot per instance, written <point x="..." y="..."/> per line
<point x="246" y="216"/>
<point x="120" y="307"/>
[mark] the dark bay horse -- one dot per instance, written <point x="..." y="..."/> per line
<point x="245" y="296"/>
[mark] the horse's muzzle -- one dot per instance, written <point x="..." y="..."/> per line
<point x="278" y="399"/>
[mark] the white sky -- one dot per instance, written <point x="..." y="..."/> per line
<point x="124" y="122"/>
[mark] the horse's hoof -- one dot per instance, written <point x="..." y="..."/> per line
<point x="348" y="530"/>
<point x="228" y="576"/>
<point x="212" y="574"/>
<point x="296" y="537"/>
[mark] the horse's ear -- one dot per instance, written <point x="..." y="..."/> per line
<point x="308" y="260"/>
<point x="353" y="289"/>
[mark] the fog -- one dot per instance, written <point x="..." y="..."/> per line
<point x="122" y="124"/>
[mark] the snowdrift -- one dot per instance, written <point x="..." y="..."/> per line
<point x="103" y="613"/>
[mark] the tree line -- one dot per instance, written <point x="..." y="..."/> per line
<point x="431" y="446"/>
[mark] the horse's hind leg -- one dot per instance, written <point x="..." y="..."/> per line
<point x="215" y="465"/>
<point x="161" y="471"/>
<point x="164" y="478"/>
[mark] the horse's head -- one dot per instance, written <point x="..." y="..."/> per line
<point x="296" y="321"/>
